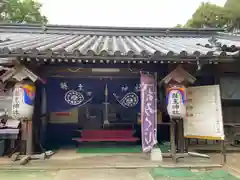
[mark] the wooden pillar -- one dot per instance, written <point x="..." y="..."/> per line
<point x="172" y="140"/>
<point x="23" y="137"/>
<point x="181" y="143"/>
<point x="29" y="143"/>
<point x="26" y="130"/>
<point x="223" y="153"/>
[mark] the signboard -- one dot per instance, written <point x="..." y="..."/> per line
<point x="23" y="101"/>
<point x="204" y="113"/>
<point x="148" y="112"/>
<point x="70" y="117"/>
<point x="175" y="102"/>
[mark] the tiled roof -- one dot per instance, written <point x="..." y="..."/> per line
<point x="77" y="41"/>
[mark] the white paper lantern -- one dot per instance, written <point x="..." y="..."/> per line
<point x="23" y="101"/>
<point x="175" y="102"/>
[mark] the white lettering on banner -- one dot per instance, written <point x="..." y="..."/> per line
<point x="124" y="88"/>
<point x="63" y="85"/>
<point x="80" y="87"/>
<point x="149" y="111"/>
<point x="148" y="137"/>
<point x="137" y="88"/>
<point x="149" y="123"/>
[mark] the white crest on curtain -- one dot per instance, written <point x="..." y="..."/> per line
<point x="130" y="99"/>
<point x="76" y="97"/>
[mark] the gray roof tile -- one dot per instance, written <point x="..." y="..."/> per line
<point x="110" y="45"/>
<point x="149" y="43"/>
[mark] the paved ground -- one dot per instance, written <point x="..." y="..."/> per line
<point x="107" y="174"/>
<point x="110" y="174"/>
<point x="99" y="174"/>
<point x="233" y="166"/>
<point x="27" y="175"/>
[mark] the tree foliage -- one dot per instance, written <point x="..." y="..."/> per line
<point x="178" y="26"/>
<point x="209" y="15"/>
<point x="233" y="9"/>
<point x="21" y="11"/>
<point x="213" y="16"/>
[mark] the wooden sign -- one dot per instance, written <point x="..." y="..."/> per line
<point x="204" y="113"/>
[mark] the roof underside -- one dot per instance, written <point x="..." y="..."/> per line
<point x="107" y="42"/>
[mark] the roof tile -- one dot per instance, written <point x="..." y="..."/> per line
<point x="180" y="43"/>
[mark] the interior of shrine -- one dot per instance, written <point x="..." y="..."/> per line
<point x="94" y="107"/>
<point x="86" y="107"/>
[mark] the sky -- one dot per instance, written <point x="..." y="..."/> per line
<point x="128" y="13"/>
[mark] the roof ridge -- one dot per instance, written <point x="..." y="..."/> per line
<point x="108" y="29"/>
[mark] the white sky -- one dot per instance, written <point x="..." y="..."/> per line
<point x="132" y="13"/>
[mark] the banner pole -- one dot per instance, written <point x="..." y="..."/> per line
<point x="156" y="113"/>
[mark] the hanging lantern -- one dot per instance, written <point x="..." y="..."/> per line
<point x="23" y="101"/>
<point x="176" y="101"/>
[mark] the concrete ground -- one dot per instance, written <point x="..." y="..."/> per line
<point x="69" y="159"/>
<point x="87" y="174"/>
<point x="94" y="174"/>
<point x="72" y="166"/>
<point x="107" y="174"/>
<point x="27" y="175"/>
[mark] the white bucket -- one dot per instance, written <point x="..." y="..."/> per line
<point x="156" y="154"/>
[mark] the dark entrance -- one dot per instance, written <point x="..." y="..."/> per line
<point x="101" y="102"/>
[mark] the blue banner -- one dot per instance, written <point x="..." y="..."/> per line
<point x="64" y="93"/>
<point x="125" y="92"/>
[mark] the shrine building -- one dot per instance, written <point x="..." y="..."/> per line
<point x="88" y="85"/>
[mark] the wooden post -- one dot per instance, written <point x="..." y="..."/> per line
<point x="29" y="143"/>
<point x="181" y="144"/>
<point x="176" y="81"/>
<point x="172" y="140"/>
<point x="223" y="153"/>
<point x="187" y="142"/>
<point x="23" y="137"/>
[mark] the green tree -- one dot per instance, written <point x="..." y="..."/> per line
<point x="21" y="11"/>
<point x="233" y="9"/>
<point x="209" y="15"/>
<point x="179" y="26"/>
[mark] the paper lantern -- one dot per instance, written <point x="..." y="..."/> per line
<point x="23" y="101"/>
<point x="176" y="101"/>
